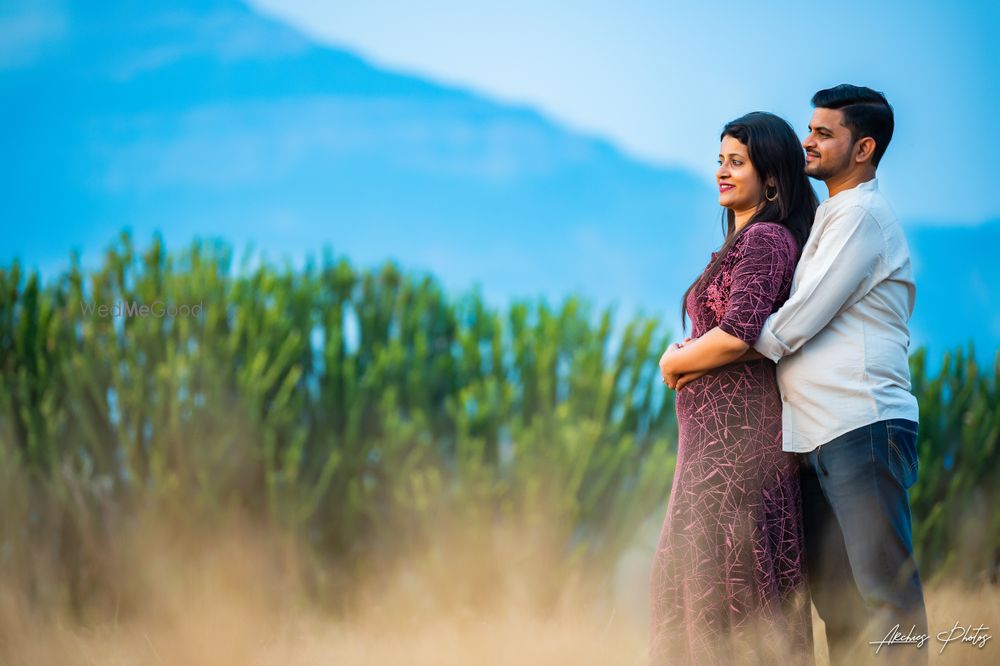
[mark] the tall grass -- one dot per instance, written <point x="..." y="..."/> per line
<point x="352" y="410"/>
<point x="363" y="414"/>
<point x="957" y="526"/>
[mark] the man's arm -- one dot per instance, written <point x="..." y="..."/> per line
<point x="849" y="251"/>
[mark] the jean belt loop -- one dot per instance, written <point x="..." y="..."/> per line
<point x="819" y="459"/>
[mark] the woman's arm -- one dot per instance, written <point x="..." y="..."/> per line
<point x="710" y="351"/>
<point x="677" y="382"/>
<point x="765" y="260"/>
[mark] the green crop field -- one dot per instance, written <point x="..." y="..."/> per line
<point x="332" y="442"/>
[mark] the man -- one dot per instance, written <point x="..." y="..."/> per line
<point x="841" y="342"/>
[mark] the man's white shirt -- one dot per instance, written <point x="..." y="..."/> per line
<point x="842" y="338"/>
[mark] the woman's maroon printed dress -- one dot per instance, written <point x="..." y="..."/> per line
<point x="728" y="584"/>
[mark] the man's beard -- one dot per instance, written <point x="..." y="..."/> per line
<point x="826" y="172"/>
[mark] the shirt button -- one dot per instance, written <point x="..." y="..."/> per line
<point x="784" y="398"/>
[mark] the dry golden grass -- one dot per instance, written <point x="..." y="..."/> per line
<point x="234" y="599"/>
<point x="947" y="603"/>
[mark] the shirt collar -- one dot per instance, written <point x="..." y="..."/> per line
<point x="870" y="185"/>
<point x="867" y="186"/>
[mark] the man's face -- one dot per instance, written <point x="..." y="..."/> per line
<point x="829" y="146"/>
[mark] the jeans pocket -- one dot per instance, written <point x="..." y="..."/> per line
<point x="903" y="452"/>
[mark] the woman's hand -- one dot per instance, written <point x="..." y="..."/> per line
<point x="699" y="355"/>
<point x="670" y="379"/>
<point x="687" y="378"/>
<point x="667" y="377"/>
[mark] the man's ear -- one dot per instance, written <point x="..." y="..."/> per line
<point x="864" y="150"/>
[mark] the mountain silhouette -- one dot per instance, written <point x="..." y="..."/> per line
<point x="206" y="119"/>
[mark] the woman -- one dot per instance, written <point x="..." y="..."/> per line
<point x="728" y="583"/>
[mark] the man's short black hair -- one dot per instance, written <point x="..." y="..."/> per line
<point x="866" y="113"/>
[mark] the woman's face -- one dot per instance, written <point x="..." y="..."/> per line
<point x="739" y="187"/>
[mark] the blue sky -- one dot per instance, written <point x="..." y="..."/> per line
<point x="203" y="119"/>
<point x="659" y="79"/>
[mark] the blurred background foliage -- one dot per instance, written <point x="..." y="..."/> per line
<point x="360" y="412"/>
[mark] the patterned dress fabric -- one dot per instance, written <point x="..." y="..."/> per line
<point x="728" y="583"/>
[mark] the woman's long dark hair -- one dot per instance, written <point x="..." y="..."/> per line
<point x="775" y="153"/>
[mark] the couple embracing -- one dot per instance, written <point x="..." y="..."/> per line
<point x="797" y="427"/>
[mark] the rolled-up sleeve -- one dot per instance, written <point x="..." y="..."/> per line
<point x="766" y="263"/>
<point x="848" y="254"/>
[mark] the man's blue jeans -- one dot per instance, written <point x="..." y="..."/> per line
<point x="859" y="541"/>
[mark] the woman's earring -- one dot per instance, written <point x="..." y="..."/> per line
<point x="771" y="198"/>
